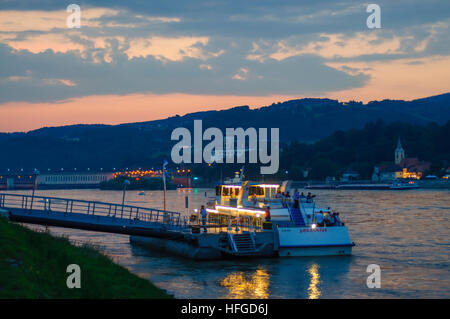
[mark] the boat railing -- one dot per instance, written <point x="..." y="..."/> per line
<point x="302" y="203"/>
<point x="216" y="223"/>
<point x="65" y="207"/>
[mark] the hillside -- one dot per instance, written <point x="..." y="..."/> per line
<point x="147" y="143"/>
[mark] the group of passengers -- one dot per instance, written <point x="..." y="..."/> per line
<point x="328" y="219"/>
<point x="296" y="198"/>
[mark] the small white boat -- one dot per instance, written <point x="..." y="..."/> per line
<point x="403" y="185"/>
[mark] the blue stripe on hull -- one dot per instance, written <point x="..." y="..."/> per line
<point x="312" y="246"/>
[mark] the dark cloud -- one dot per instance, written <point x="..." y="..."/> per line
<point x="232" y="27"/>
<point x="296" y="75"/>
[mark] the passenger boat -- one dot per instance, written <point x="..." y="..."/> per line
<point x="296" y="229"/>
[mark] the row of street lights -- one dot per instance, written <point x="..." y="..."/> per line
<point x="125" y="184"/>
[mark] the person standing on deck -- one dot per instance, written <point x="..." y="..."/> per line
<point x="319" y="219"/>
<point x="267" y="214"/>
<point x="309" y="198"/>
<point x="338" y="220"/>
<point x="288" y="199"/>
<point x="296" y="198"/>
<point x="203" y="213"/>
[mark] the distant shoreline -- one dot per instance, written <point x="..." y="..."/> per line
<point x="423" y="184"/>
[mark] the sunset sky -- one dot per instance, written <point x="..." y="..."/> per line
<point x="143" y="60"/>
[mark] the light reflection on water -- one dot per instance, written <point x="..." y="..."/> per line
<point x="313" y="289"/>
<point x="242" y="285"/>
<point x="405" y="232"/>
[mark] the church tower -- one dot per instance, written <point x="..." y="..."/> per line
<point x="399" y="153"/>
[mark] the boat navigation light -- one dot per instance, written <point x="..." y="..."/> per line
<point x="313" y="226"/>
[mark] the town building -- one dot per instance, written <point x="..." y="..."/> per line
<point x="403" y="168"/>
<point x="413" y="168"/>
<point x="17" y="181"/>
<point x="53" y="179"/>
<point x="73" y="179"/>
<point x="349" y="175"/>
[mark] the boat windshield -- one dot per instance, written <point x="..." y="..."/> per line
<point x="228" y="190"/>
<point x="263" y="192"/>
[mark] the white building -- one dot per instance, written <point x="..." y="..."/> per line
<point x="72" y="179"/>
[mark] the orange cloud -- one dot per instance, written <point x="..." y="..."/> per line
<point x="42" y="42"/>
<point x="36" y="20"/>
<point x="52" y="22"/>
<point x="164" y="48"/>
<point x="330" y="46"/>
<point x="398" y="79"/>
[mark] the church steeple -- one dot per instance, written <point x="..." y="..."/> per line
<point x="399" y="153"/>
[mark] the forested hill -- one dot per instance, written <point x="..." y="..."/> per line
<point x="313" y="119"/>
<point x="360" y="150"/>
<point x="147" y="143"/>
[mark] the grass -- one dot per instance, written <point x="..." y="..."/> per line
<point x="33" y="265"/>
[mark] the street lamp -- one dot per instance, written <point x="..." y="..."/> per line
<point x="35" y="174"/>
<point x="125" y="184"/>
<point x="164" y="181"/>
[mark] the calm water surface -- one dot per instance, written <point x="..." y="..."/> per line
<point x="405" y="232"/>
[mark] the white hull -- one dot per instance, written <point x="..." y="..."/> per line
<point x="320" y="241"/>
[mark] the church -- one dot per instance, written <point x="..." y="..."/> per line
<point x="402" y="168"/>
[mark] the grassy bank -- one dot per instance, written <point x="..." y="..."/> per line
<point x="33" y="265"/>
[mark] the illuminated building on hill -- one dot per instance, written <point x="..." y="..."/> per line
<point x="403" y="168"/>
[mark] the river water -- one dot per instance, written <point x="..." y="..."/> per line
<point x="406" y="233"/>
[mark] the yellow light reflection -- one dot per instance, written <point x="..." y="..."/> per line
<point x="244" y="286"/>
<point x="313" y="290"/>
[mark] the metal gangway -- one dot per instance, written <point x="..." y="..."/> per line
<point x="94" y="215"/>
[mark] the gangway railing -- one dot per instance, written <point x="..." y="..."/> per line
<point x="64" y="208"/>
<point x="46" y="204"/>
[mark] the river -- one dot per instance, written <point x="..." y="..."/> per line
<point x="406" y="233"/>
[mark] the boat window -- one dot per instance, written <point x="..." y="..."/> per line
<point x="256" y="190"/>
<point x="218" y="190"/>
